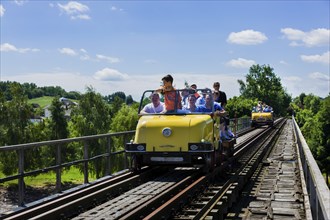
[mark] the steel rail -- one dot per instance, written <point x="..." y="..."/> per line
<point x="166" y="210"/>
<point x="84" y="197"/>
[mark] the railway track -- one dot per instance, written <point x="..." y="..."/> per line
<point x="182" y="193"/>
<point x="275" y="189"/>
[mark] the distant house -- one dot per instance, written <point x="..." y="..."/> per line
<point x="48" y="114"/>
<point x="67" y="111"/>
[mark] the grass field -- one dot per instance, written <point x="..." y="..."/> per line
<point x="45" y="100"/>
<point x="42" y="101"/>
<point x="72" y="176"/>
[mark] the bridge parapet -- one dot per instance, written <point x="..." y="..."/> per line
<point x="318" y="192"/>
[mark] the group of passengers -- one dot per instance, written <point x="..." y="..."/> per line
<point x="262" y="107"/>
<point x="187" y="101"/>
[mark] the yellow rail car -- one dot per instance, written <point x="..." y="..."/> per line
<point x="262" y="118"/>
<point x="179" y="137"/>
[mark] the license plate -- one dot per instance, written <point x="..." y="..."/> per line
<point x="166" y="159"/>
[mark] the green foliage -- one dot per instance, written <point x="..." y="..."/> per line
<point x="302" y="116"/>
<point x="58" y="124"/>
<point x="263" y="84"/>
<point x="116" y="105"/>
<point x="125" y="120"/>
<point x="240" y="106"/>
<point x="16" y="129"/>
<point x="32" y="91"/>
<point x="129" y="100"/>
<point x="313" y="117"/>
<point x="91" y="117"/>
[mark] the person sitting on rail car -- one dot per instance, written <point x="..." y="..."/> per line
<point x="184" y="96"/>
<point x="194" y="88"/>
<point x="267" y="109"/>
<point x="172" y="98"/>
<point x="219" y="111"/>
<point x="201" y="99"/>
<point x="192" y="104"/>
<point x="156" y="106"/>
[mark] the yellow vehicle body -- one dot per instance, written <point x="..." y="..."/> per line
<point x="188" y="137"/>
<point x="179" y="137"/>
<point x="262" y="118"/>
<point x="185" y="129"/>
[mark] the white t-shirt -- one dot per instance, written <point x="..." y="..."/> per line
<point x="150" y="108"/>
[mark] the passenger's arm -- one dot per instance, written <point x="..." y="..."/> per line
<point x="220" y="113"/>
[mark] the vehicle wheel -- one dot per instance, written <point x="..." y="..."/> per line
<point x="136" y="163"/>
<point x="209" y="162"/>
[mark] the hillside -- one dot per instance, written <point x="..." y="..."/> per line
<point x="44" y="101"/>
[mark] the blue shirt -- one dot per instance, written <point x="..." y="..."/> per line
<point x="217" y="107"/>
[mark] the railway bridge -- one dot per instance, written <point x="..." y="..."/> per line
<point x="272" y="175"/>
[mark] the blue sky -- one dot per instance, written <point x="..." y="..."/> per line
<point x="130" y="45"/>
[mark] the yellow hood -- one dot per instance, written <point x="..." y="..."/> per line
<point x="183" y="129"/>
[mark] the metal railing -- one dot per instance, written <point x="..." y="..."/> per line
<point x="58" y="144"/>
<point x="239" y="124"/>
<point x="236" y="125"/>
<point x="317" y="190"/>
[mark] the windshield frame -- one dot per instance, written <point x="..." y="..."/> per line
<point x="146" y="99"/>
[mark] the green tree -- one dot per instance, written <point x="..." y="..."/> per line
<point x="92" y="117"/>
<point x="323" y="152"/>
<point x="125" y="120"/>
<point x="240" y="106"/>
<point x="263" y="84"/>
<point x="15" y="123"/>
<point x="116" y="105"/>
<point x="312" y="103"/>
<point x="58" y="124"/>
<point x="313" y="118"/>
<point x="129" y="100"/>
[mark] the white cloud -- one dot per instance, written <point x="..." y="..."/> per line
<point x="108" y="74"/>
<point x="75" y="9"/>
<point x="241" y="63"/>
<point x="314" y="38"/>
<point x="82" y="17"/>
<point x="324" y="58"/>
<point x="319" y="76"/>
<point x="108" y="59"/>
<point x="67" y="51"/>
<point x="247" y="37"/>
<point x="20" y="2"/>
<point x="293" y="78"/>
<point x="296" y="85"/>
<point x="114" y="8"/>
<point x="6" y="47"/>
<point x="2" y="10"/>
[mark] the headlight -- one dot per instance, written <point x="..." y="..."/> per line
<point x="202" y="146"/>
<point x="193" y="147"/>
<point x="130" y="147"/>
<point x="140" y="147"/>
<point x="167" y="132"/>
